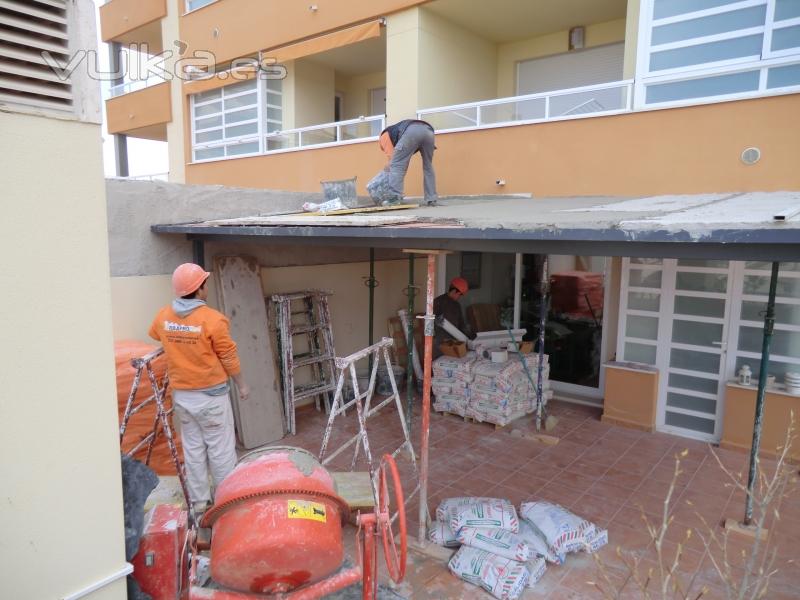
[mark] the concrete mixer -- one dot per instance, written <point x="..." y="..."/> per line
<point x="276" y="531"/>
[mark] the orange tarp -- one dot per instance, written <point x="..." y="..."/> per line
<point x="140" y="425"/>
<point x="329" y="41"/>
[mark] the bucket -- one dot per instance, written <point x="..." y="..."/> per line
<point x="383" y="385"/>
<point x="343" y="189"/>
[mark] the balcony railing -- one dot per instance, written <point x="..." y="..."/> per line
<point x="340" y="132"/>
<point x="362" y="129"/>
<point x="588" y="101"/>
<point x="132" y="86"/>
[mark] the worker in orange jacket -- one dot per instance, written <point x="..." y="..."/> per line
<point x="201" y="356"/>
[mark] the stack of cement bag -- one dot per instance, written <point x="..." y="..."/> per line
<point x="502" y="392"/>
<point x="451" y="381"/>
<point x="503" y="554"/>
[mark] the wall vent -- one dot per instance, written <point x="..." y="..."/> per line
<point x="27" y="29"/>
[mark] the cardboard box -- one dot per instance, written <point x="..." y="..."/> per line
<point x="453" y="348"/>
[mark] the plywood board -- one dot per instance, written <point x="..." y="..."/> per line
<point x="364" y="209"/>
<point x="355" y="488"/>
<point x="259" y="419"/>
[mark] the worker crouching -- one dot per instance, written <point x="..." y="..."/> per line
<point x="201" y="356"/>
<point x="400" y="142"/>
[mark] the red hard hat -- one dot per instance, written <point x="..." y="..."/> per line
<point x="460" y="284"/>
<point x="187" y="278"/>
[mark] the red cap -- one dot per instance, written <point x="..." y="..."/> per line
<point x="460" y="284"/>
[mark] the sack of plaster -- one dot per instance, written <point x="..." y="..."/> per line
<point x="378" y="188"/>
<point x="450" y="406"/>
<point x="503" y="578"/>
<point x="498" y="513"/>
<point x="497" y="541"/>
<point x="447" y="507"/>
<point x="462" y="376"/>
<point x="596" y="540"/>
<point x="440" y="534"/>
<point x="563" y="530"/>
<point x="537" y="543"/>
<point x="455" y="363"/>
<point x="330" y="205"/>
<point x="536" y="569"/>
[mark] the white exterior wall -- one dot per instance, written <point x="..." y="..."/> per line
<point x="61" y="512"/>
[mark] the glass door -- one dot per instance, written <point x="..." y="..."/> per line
<point x="695" y="333"/>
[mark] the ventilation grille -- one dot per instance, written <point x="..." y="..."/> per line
<point x="27" y="29"/>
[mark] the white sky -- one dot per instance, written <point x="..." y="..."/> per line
<point x="145" y="157"/>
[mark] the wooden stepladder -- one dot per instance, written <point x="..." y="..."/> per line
<point x="362" y="401"/>
<point x="305" y="313"/>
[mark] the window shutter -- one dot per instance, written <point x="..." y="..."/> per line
<point x="27" y="29"/>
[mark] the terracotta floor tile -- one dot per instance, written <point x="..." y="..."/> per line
<point x="610" y="492"/>
<point x="619" y="476"/>
<point x="579" y="483"/>
<point x="472" y="486"/>
<point x="595" y="510"/>
<point x="539" y="468"/>
<point x="492" y="472"/>
<point x="583" y="467"/>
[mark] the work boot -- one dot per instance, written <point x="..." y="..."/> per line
<point x="200" y="509"/>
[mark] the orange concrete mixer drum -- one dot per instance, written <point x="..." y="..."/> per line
<point x="276" y="524"/>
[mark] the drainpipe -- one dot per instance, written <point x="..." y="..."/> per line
<point x="769" y="325"/>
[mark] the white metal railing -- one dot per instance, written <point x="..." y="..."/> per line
<point x="150" y="177"/>
<point x="133" y="86"/>
<point x="338" y="132"/>
<point x="591" y="100"/>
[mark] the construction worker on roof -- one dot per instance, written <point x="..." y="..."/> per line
<point x="400" y="142"/>
<point x="447" y="306"/>
<point x="201" y="356"/>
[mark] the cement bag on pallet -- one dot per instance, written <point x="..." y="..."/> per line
<point x="440" y="534"/>
<point x="497" y="541"/>
<point x="449" y="506"/>
<point x="503" y="578"/>
<point x="562" y="530"/>
<point x="536" y="569"/>
<point x="497" y="513"/>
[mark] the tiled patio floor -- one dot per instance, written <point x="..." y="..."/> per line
<point x="608" y="475"/>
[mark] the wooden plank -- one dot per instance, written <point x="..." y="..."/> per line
<point x="300" y="220"/>
<point x="259" y="420"/>
<point x="355" y="488"/>
<point x="365" y="209"/>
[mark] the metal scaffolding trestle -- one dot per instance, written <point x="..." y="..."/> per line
<point x="318" y="355"/>
<point x="362" y="400"/>
<point x="162" y="417"/>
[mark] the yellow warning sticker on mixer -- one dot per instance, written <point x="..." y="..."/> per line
<point x="302" y="509"/>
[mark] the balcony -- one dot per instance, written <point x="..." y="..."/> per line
<point x="140" y="109"/>
<point x="133" y="22"/>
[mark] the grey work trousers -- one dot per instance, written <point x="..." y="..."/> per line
<point x="416" y="137"/>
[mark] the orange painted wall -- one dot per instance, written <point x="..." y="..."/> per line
<point x="630" y="398"/>
<point x="118" y="17"/>
<point x="246" y="26"/>
<point x="682" y="150"/>
<point x="142" y="108"/>
<point x="740" y="410"/>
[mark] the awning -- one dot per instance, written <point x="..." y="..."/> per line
<point x="716" y="226"/>
<point x="328" y="41"/>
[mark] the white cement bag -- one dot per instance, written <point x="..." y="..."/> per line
<point x="497" y="541"/>
<point x="537" y="543"/>
<point x="536" y="569"/>
<point x="498" y="514"/>
<point x="503" y="578"/>
<point x="440" y="534"/>
<point x="447" y="507"/>
<point x="562" y="530"/>
<point x="595" y="540"/>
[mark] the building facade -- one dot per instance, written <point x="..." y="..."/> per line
<point x="61" y="513"/>
<point x="556" y="99"/>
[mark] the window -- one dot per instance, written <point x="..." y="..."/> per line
<point x="642" y="308"/>
<point x="753" y="290"/>
<point x="232" y="121"/>
<point x="698" y="49"/>
<point x="195" y="4"/>
<point x="27" y="30"/>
